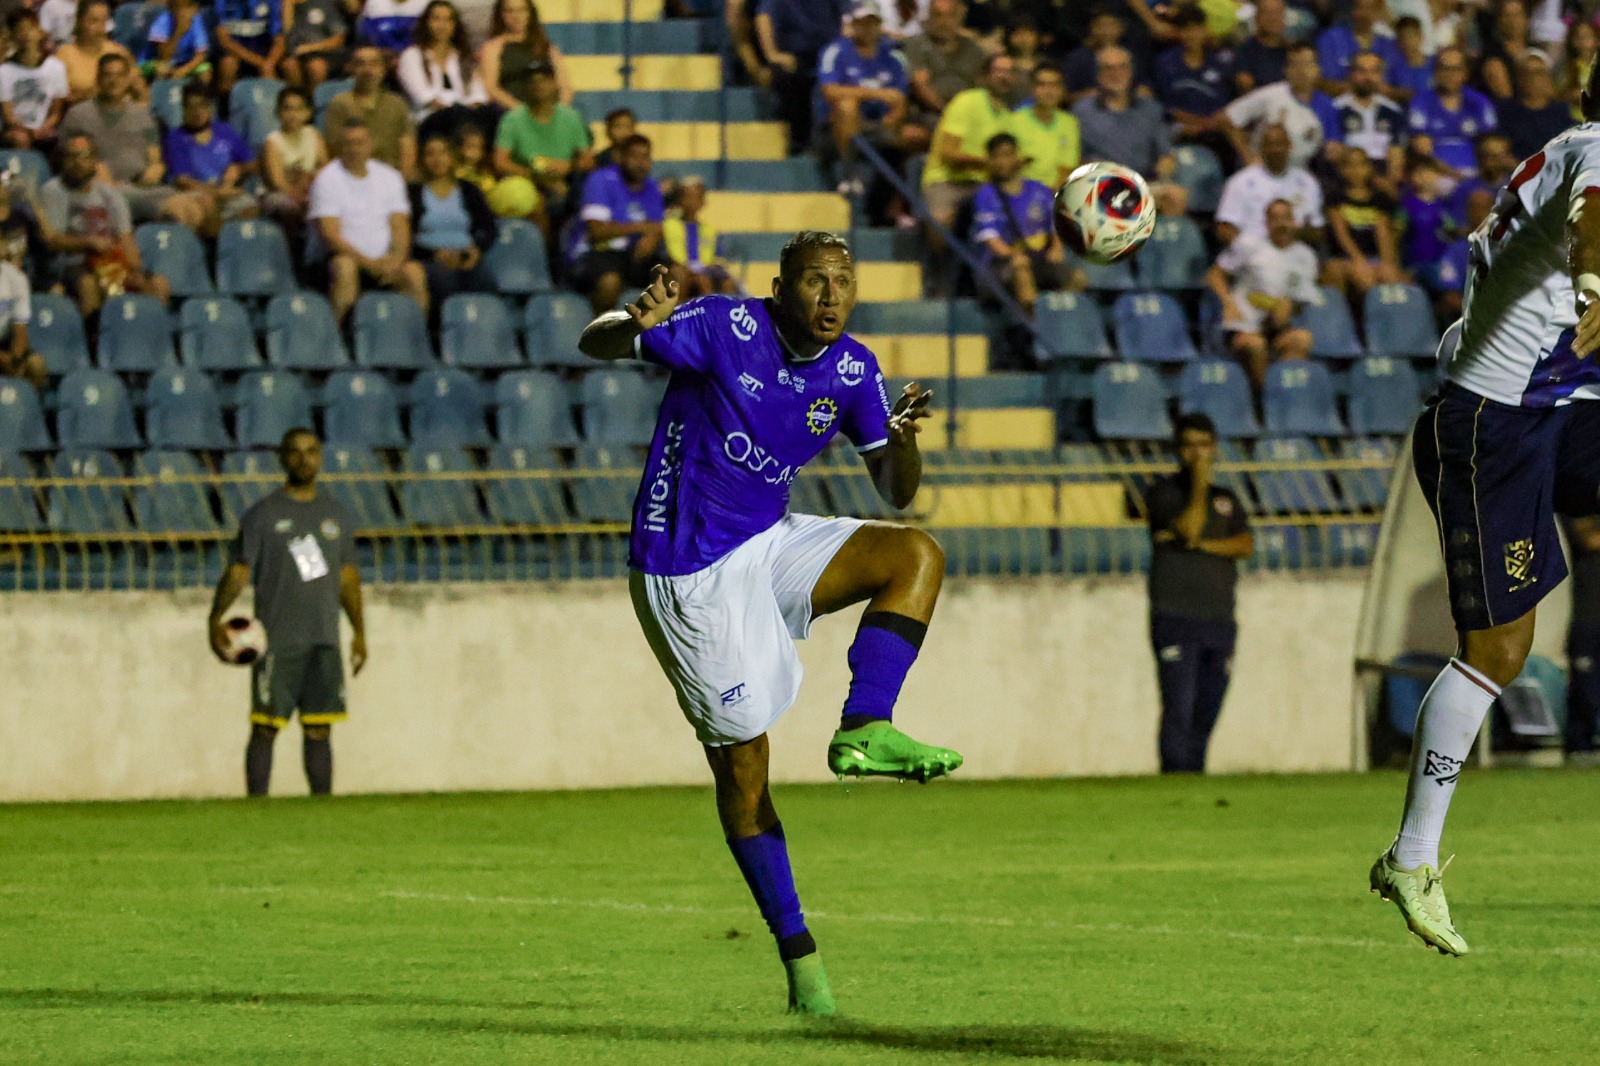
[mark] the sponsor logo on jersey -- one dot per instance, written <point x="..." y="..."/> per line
<point x="742" y="451"/>
<point x="659" y="491"/>
<point x="283" y="525"/>
<point x="883" y="391"/>
<point x="743" y="322"/>
<point x="851" y="370"/>
<point x="330" y="529"/>
<point x="1172" y="653"/>
<point x="751" y="384"/>
<point x="821" y="415"/>
<point x="734" y="696"/>
<point x="794" y="381"/>
<point x="1442" y="768"/>
<point x="1519" y="565"/>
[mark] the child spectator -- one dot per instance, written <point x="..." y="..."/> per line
<point x="179" y="45"/>
<point x="33" y="87"/>
<point x="291" y="157"/>
<point x="692" y="244"/>
<point x="249" y="39"/>
<point x="317" y="44"/>
<point x="1361" y="231"/>
<point x="1446" y="278"/>
<point x="1429" y="227"/>
<point x="1013" y="220"/>
<point x="208" y="157"/>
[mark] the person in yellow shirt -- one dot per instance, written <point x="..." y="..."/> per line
<point x="693" y="243"/>
<point x="1047" y="136"/>
<point x="957" y="160"/>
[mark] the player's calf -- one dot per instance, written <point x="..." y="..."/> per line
<point x="258" y="758"/>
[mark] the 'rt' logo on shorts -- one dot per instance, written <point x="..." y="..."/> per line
<point x="1519" y="564"/>
<point x="734" y="695"/>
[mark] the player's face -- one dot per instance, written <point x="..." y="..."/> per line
<point x="816" y="303"/>
<point x="1195" y="445"/>
<point x="301" y="459"/>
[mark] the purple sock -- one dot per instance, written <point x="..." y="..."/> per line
<point x="764" y="861"/>
<point x="885" y="647"/>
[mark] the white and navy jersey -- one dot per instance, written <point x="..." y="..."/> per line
<point x="1374" y="127"/>
<point x="1519" y="310"/>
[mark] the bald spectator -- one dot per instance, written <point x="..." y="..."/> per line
<point x="792" y="34"/>
<point x="1262" y="281"/>
<point x="384" y="114"/>
<point x="1304" y="111"/>
<point x="945" y="59"/>
<point x="1118" y="126"/>
<point x="1245" y="196"/>
<point x="1338" y="45"/>
<point x="1534" y="115"/>
<point x="1263" y="57"/>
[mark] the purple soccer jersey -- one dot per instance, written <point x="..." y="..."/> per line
<point x="738" y="422"/>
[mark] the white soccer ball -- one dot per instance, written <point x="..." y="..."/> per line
<point x="247" y="640"/>
<point x="1104" y="211"/>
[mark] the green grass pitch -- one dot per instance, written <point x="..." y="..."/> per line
<point x="1221" y="920"/>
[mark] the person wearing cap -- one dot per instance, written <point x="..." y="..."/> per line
<point x="385" y="114"/>
<point x="861" y="89"/>
<point x="543" y="141"/>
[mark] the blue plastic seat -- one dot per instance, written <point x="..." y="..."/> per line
<point x="359" y="408"/>
<point x="302" y="333"/>
<point x="175" y="253"/>
<point x="270" y="403"/>
<point x="56" y="333"/>
<point x="1218" y="388"/>
<point x="1293" y="491"/>
<point x="169" y="506"/>
<point x="551" y="327"/>
<point x="366" y="497"/>
<point x="441" y="502"/>
<point x="391" y="333"/>
<point x="1071" y="327"/>
<point x="534" y="408"/>
<point x="324" y="93"/>
<point x="517" y="261"/>
<point x="19" y="512"/>
<point x="94" y="412"/>
<point x="1174" y="259"/>
<point x="25" y="165"/>
<point x="214" y="334"/>
<point x="1108" y="277"/>
<point x="1400" y="322"/>
<point x="88" y="507"/>
<point x="1367" y="490"/>
<point x="253" y="108"/>
<point x="253" y="259"/>
<point x="131" y="22"/>
<point x="447" y="408"/>
<point x="1130" y="403"/>
<point x="1199" y="171"/>
<point x="22" y="427"/>
<point x="475" y="331"/>
<point x="238" y="496"/>
<point x="1333" y="331"/>
<point x="619" y="407"/>
<point x="166" y="100"/>
<point x="531" y="501"/>
<point x="1385" y="396"/>
<point x="182" y="411"/>
<point x="1298" y="401"/>
<point x="1151" y="327"/>
<point x="606" y="482"/>
<point x="135" y="335"/>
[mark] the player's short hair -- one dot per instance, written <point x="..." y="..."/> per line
<point x="298" y="431"/>
<point x="999" y="140"/>
<point x="1195" y="422"/>
<point x="804" y="243"/>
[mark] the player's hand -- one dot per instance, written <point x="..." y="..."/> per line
<point x="911" y="407"/>
<point x="219" y="639"/>
<point x="358" y="653"/>
<point x="1588" y="336"/>
<point x="656" y="303"/>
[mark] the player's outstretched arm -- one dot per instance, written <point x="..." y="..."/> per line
<point x="1583" y="260"/>
<point x="896" y="468"/>
<point x="611" y="336"/>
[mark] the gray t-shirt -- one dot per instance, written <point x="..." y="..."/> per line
<point x="122" y="135"/>
<point x="948" y="73"/>
<point x="295" y="551"/>
<point x="96" y="210"/>
<point x="315" y="21"/>
<point x="1136" y="137"/>
<point x="1187" y="582"/>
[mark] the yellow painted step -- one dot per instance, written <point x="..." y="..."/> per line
<point x="776" y="212"/>
<point x="927" y="357"/>
<point x="698" y="140"/>
<point x="594" y="73"/>
<point x="1093" y="503"/>
<point x="599" y="11"/>
<point x="958" y="506"/>
<point x="993" y="427"/>
<point x="874" y="280"/>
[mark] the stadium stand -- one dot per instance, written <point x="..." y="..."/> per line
<point x="214" y="334"/>
<point x="182" y="412"/>
<point x="390" y="333"/>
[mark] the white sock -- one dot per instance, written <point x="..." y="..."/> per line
<point x="1447" y="727"/>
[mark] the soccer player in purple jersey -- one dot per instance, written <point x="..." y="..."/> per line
<point x="725" y="579"/>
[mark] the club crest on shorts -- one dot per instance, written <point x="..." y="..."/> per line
<point x="1442" y="768"/>
<point x="1519" y="564"/>
<point x="821" y="415"/>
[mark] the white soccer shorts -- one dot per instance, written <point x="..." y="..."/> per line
<point x="725" y="635"/>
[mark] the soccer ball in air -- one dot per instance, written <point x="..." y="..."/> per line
<point x="247" y="640"/>
<point x="1104" y="211"/>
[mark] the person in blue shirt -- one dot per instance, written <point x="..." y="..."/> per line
<point x="178" y="44"/>
<point x="862" y="80"/>
<point x="1263" y="58"/>
<point x="1013" y="220"/>
<point x="250" y="40"/>
<point x="616" y="238"/>
<point x="207" y="156"/>
<point x="1446" y="119"/>
<point x="1338" y="45"/>
<point x="792" y="33"/>
<point x="725" y="577"/>
<point x="1446" y="277"/>
<point x="1415" y="72"/>
<point x="1194" y="80"/>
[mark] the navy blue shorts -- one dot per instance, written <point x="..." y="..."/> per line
<point x="1496" y="477"/>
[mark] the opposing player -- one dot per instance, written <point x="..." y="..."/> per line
<point x="1511" y="440"/>
<point x="725" y="579"/>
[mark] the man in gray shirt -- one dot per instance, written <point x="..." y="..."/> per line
<point x="945" y="59"/>
<point x="297" y="546"/>
<point x="1120" y="127"/>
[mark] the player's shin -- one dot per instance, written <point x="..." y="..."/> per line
<point x="764" y="861"/>
<point x="258" y="759"/>
<point x="886" y="645"/>
<point x="1447" y="726"/>
<point x="317" y="750"/>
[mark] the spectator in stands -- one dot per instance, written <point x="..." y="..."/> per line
<point x="1582" y="48"/>
<point x="618" y="241"/>
<point x="1120" y="127"/>
<point x="1024" y="45"/>
<point x="1534" y="115"/>
<point x="179" y="45"/>
<point x="57" y="18"/>
<point x="1438" y="21"/>
<point x="1415" y="72"/>
<point x="437" y="74"/>
<point x="1080" y="69"/>
<point x="792" y="34"/>
<point x="1361" y="231"/>
<point x="33" y="87"/>
<point x="861" y="90"/>
<point x="517" y="44"/>
<point x="1013" y="220"/>
<point x="454" y="225"/>
<point x="250" y="41"/>
<point x="1198" y="534"/>
<point x="17" y="360"/>
<point x="1048" y="137"/>
<point x="1373" y="124"/>
<point x="903" y="19"/>
<point x="946" y="59"/>
<point x="621" y="124"/>
<point x="361" y="225"/>
<point x="692" y="244"/>
<point x="316" y="46"/>
<point x="291" y="157"/>
<point x="1425" y="207"/>
<point x="1446" y="277"/>
<point x="1304" y="111"/>
<point x="1338" y="45"/>
<point x="1583" y="643"/>
<point x="384" y="114"/>
<point x="1246" y="195"/>
<point x="1500" y="62"/>
<point x="1262" y="281"/>
<point x="1263" y="57"/>
<point x="90" y="41"/>
<point x="543" y="141"/>
<point x="957" y="160"/>
<point x="206" y="156"/>
<point x="86" y="223"/>
<point x="1446" y="119"/>
<point x="739" y="21"/>
<point x="1195" y="81"/>
<point x="389" y="24"/>
<point x="21" y="238"/>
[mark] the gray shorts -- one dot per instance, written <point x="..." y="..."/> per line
<point x="946" y="198"/>
<point x="310" y="680"/>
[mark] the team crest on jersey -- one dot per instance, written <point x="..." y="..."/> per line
<point x="821" y="415"/>
<point x="1223" y="506"/>
<point x="1519" y="564"/>
<point x="283" y="525"/>
<point x="330" y="529"/>
<point x="794" y="381"/>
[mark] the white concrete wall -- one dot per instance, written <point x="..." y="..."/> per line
<point x="115" y="695"/>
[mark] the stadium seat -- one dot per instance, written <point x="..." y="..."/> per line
<point x="551" y="327"/>
<point x="534" y="408"/>
<point x="166" y="101"/>
<point x="1130" y="403"/>
<point x="174" y="252"/>
<point x="57" y="334"/>
<point x="1367" y="490"/>
<point x="607" y="481"/>
<point x="523" y="501"/>
<point x="253" y="108"/>
<point x="441" y="502"/>
<point x="1400" y="322"/>
<point x="22" y="427"/>
<point x="1174" y="259"/>
<point x="270" y="403"/>
<point x="1349" y="543"/>
<point x="391" y="333"/>
<point x="324" y="94"/>
<point x="88" y="508"/>
<point x="253" y="259"/>
<point x="214" y="334"/>
<point x="1200" y="173"/>
<point x="1298" y="401"/>
<point x="168" y="507"/>
<point x="1384" y="397"/>
<point x="19" y="512"/>
<point x="447" y="409"/>
<point x="130" y="24"/>
<point x="359" y="408"/>
<point x="1070" y="327"/>
<point x="182" y="411"/>
<point x="367" y="499"/>
<point x="94" y="412"/>
<point x="475" y="331"/>
<point x="238" y="496"/>
<point x="1293" y="491"/>
<point x="1151" y="327"/>
<point x="24" y="165"/>
<point x="619" y="407"/>
<point x="1218" y="388"/>
<point x="1107" y="277"/>
<point x="1333" y="331"/>
<point x="135" y="335"/>
<point x="301" y="333"/>
<point x="517" y="261"/>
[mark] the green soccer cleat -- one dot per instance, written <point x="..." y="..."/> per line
<point x="1419" y="894"/>
<point x="878" y="749"/>
<point x="808" y="987"/>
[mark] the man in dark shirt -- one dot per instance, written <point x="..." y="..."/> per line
<point x="297" y="546"/>
<point x="1535" y="114"/>
<point x="1583" y="641"/>
<point x="1198" y="532"/>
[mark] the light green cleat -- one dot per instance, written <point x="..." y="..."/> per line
<point x="1419" y="894"/>
<point x="879" y="749"/>
<point x="808" y="987"/>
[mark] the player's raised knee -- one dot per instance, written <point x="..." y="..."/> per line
<point x="919" y="550"/>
